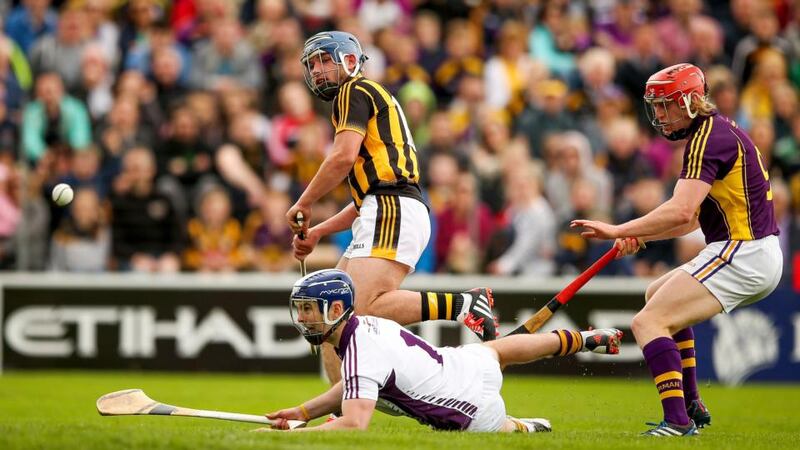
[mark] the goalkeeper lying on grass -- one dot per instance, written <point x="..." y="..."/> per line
<point x="385" y="366"/>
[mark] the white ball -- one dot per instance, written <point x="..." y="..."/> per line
<point x="62" y="194"/>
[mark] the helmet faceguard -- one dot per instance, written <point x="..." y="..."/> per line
<point x="334" y="46"/>
<point x="679" y="84"/>
<point x="313" y="297"/>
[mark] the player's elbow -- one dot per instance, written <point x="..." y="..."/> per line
<point x="684" y="214"/>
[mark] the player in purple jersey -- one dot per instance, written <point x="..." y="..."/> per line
<point x="386" y="367"/>
<point x="723" y="189"/>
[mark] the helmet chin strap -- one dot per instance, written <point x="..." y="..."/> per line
<point x="318" y="339"/>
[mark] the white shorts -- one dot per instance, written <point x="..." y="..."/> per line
<point x="738" y="273"/>
<point x="390" y="227"/>
<point x="491" y="414"/>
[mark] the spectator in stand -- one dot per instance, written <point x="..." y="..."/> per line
<point x="487" y="160"/>
<point x="674" y="30"/>
<point x="121" y="131"/>
<point x="132" y="84"/>
<point x="262" y="33"/>
<point x="267" y="237"/>
<point x="507" y="73"/>
<point x="461" y="48"/>
<point x="29" y="21"/>
<point x="573" y="161"/>
<point x="626" y="162"/>
<point x="463" y="229"/>
<point x="225" y="59"/>
<point x="724" y="94"/>
<point x="62" y="52"/>
<point x="296" y="111"/>
<point x="786" y="156"/>
<point x="160" y="37"/>
<point x="403" y="66"/>
<point x="15" y="79"/>
<point x="644" y="59"/>
<point x="785" y="103"/>
<point x="532" y="226"/>
<point x="381" y="14"/>
<point x="141" y="17"/>
<point x="146" y="233"/>
<point x="764" y="36"/>
<point x="645" y="195"/>
<point x="86" y="171"/>
<point x="551" y="40"/>
<point x="242" y="160"/>
<point x="707" y="43"/>
<point x="82" y="242"/>
<point x="184" y="160"/>
<point x="443" y="170"/>
<point x="418" y="102"/>
<point x="96" y="81"/>
<point x="166" y="67"/>
<point x="53" y="120"/>
<point x="10" y="214"/>
<point x="428" y="33"/>
<point x="215" y="237"/>
<point x="544" y="114"/>
<point x="375" y="69"/>
<point x="574" y="254"/>
<point x="770" y="69"/>
<point x="617" y="34"/>
<point x="102" y="30"/>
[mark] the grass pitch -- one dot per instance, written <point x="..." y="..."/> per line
<point x="53" y="410"/>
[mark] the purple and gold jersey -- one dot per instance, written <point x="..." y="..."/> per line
<point x="739" y="205"/>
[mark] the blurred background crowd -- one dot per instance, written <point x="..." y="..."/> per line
<point x="187" y="131"/>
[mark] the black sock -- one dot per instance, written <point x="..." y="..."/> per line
<point x="441" y="305"/>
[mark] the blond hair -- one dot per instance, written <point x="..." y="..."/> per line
<point x="703" y="105"/>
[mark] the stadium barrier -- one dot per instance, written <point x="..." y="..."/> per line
<point x="240" y="322"/>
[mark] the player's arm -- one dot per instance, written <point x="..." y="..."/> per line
<point x="323" y="404"/>
<point x="343" y="220"/>
<point x="678" y="231"/>
<point x="356" y="415"/>
<point x="679" y="211"/>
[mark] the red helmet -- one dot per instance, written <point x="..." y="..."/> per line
<point x="676" y="83"/>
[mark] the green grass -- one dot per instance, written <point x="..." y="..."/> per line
<point x="52" y="410"/>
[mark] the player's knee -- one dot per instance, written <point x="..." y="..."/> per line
<point x="365" y="307"/>
<point x="650" y="292"/>
<point x="641" y="322"/>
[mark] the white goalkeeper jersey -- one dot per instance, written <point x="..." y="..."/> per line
<point x="439" y="386"/>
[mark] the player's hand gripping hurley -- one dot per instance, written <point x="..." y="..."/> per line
<point x="136" y="402"/>
<point x="300" y="219"/>
<point x="543" y="315"/>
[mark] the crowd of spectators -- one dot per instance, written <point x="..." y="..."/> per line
<point x="186" y="129"/>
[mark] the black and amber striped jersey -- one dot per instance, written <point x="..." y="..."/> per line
<point x="387" y="161"/>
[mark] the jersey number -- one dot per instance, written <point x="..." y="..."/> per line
<point x="413" y="341"/>
<point x="766" y="174"/>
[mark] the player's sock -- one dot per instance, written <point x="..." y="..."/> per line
<point x="441" y="305"/>
<point x="684" y="339"/>
<point x="571" y="342"/>
<point x="664" y="360"/>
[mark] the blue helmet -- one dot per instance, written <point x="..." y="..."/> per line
<point x="313" y="295"/>
<point x="336" y="44"/>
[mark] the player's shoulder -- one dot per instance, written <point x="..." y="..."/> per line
<point x="714" y="131"/>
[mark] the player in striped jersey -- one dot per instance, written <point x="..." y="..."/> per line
<point x="387" y="367"/>
<point x="724" y="189"/>
<point x="374" y="150"/>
